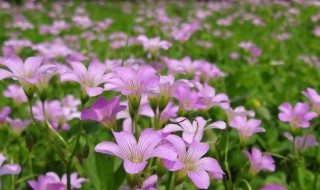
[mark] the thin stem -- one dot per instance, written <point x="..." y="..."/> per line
<point x="294" y="145"/>
<point x="69" y="162"/>
<point x="226" y="159"/>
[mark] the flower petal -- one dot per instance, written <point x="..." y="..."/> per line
<point x="10" y="169"/>
<point x="200" y="179"/>
<point x="134" y="168"/>
<point x="109" y="148"/>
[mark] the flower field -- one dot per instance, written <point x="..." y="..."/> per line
<point x="106" y="95"/>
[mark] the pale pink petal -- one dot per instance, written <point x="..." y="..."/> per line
<point x="200" y="179"/>
<point x="109" y="148"/>
<point x="134" y="168"/>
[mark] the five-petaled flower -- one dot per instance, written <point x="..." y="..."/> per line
<point x="136" y="154"/>
<point x="259" y="162"/>
<point x="299" y="116"/>
<point x="103" y="111"/>
<point x="89" y="79"/>
<point x="192" y="163"/>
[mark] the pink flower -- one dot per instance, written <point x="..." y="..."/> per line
<point x="133" y="82"/>
<point x="259" y="162"/>
<point x="18" y="125"/>
<point x="314" y="97"/>
<point x="273" y="186"/>
<point x="240" y="110"/>
<point x="4" y="114"/>
<point x="89" y="79"/>
<point x="188" y="99"/>
<point x="27" y="73"/>
<point x="299" y="116"/>
<point x="234" y="55"/>
<point x="208" y="96"/>
<point x="302" y="143"/>
<point x="8" y="168"/>
<point x="246" y="128"/>
<point x="153" y="44"/>
<point x="51" y="181"/>
<point x="169" y="112"/>
<point x="16" y="93"/>
<point x="136" y="154"/>
<point x="103" y="111"/>
<point x="192" y="131"/>
<point x="148" y="184"/>
<point x="190" y="161"/>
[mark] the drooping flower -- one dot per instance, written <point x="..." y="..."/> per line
<point x="192" y="131"/>
<point x="259" y="162"/>
<point x="16" y="93"/>
<point x="192" y="163"/>
<point x="136" y="154"/>
<point x="51" y="181"/>
<point x="27" y="73"/>
<point x="89" y="79"/>
<point x="188" y="99"/>
<point x="18" y="125"/>
<point x="103" y="111"/>
<point x="314" y="97"/>
<point x="299" y="116"/>
<point x="170" y="111"/>
<point x="4" y="114"/>
<point x="302" y="143"/>
<point x="246" y="128"/>
<point x="13" y="169"/>
<point x="208" y="96"/>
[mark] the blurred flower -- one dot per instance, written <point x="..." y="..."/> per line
<point x="272" y="186"/>
<point x="51" y="181"/>
<point x="4" y="114"/>
<point x="234" y="55"/>
<point x="208" y="96"/>
<point x="89" y="79"/>
<point x="303" y="142"/>
<point x="13" y="169"/>
<point x="153" y="45"/>
<point x="18" y="125"/>
<point x="299" y="116"/>
<point x="240" y="110"/>
<point x="169" y="112"/>
<point x="56" y="113"/>
<point x="148" y="184"/>
<point x="259" y="162"/>
<point x="314" y="97"/>
<point x="16" y="93"/>
<point x="135" y="154"/>
<point x="192" y="131"/>
<point x="246" y="128"/>
<point x="103" y="111"/>
<point x="191" y="163"/>
<point x="188" y="99"/>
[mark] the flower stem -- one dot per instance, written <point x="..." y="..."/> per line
<point x="226" y="159"/>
